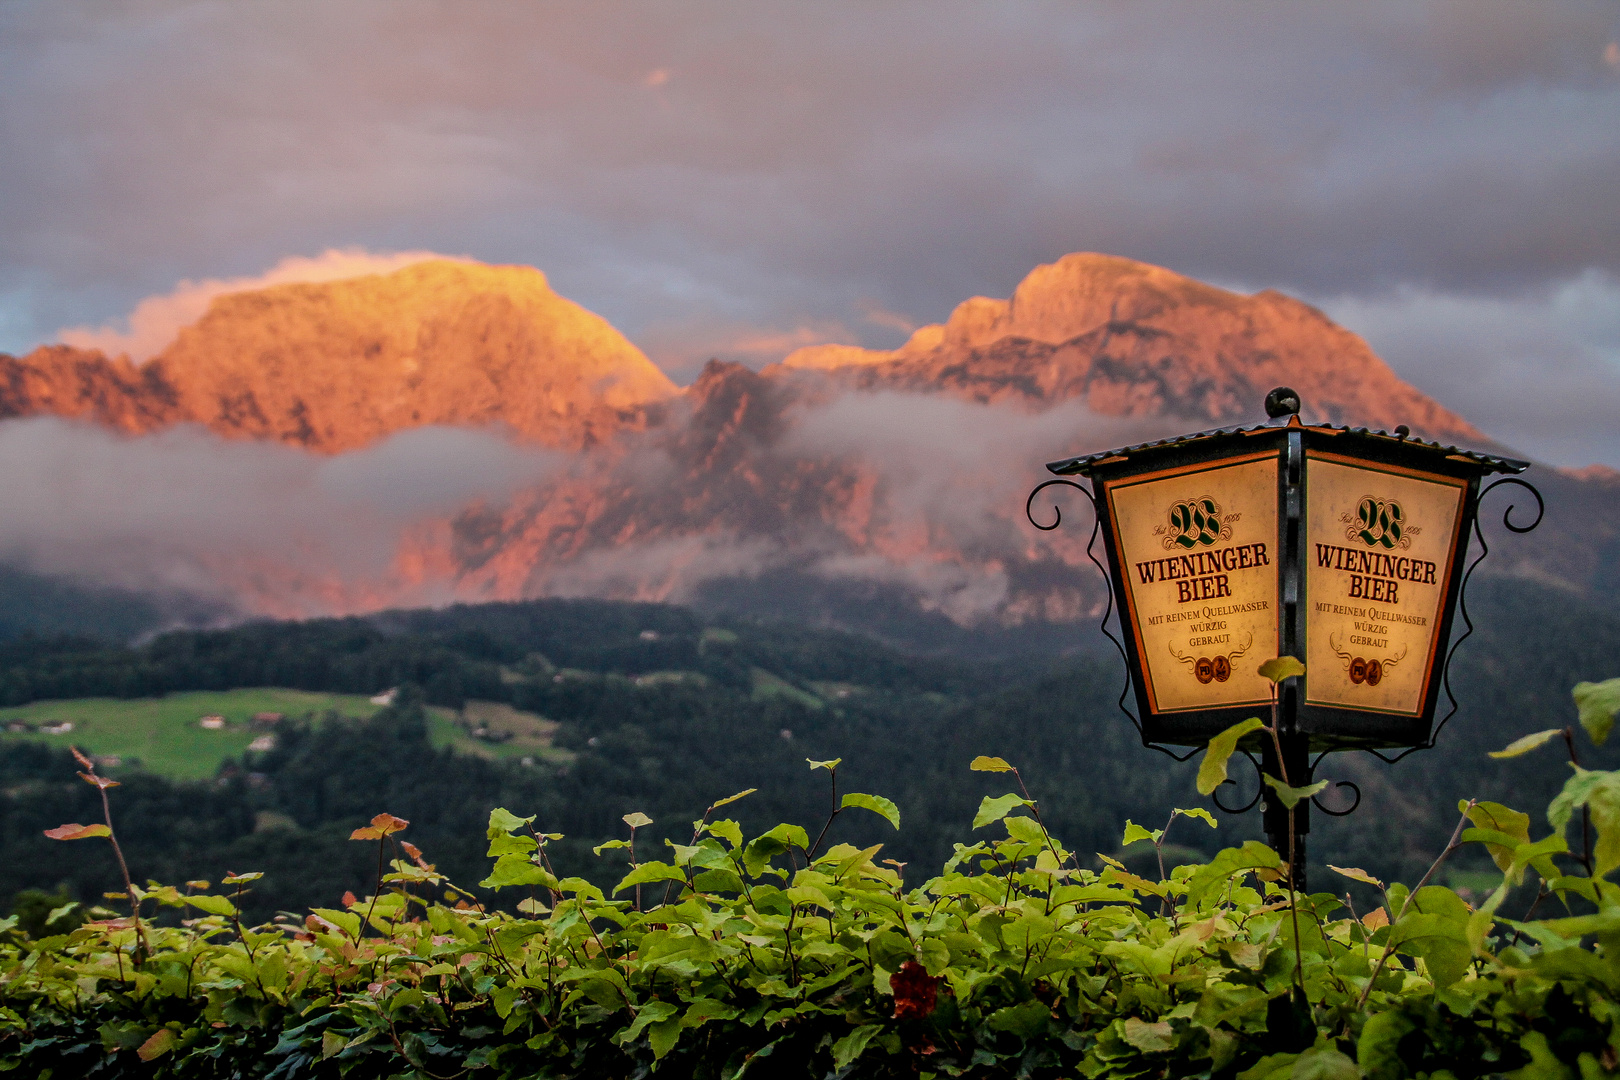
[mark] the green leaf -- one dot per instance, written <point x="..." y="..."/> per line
<point x="663" y="1036"/>
<point x="516" y="870"/>
<point x="1026" y="1020"/>
<point x="1599" y="793"/>
<point x="993" y="810"/>
<point x="1280" y="668"/>
<point x="1501" y="819"/>
<point x="1355" y="873"/>
<point x="1201" y="814"/>
<point x="884" y="808"/>
<point x="609" y="845"/>
<point x="851" y="1046"/>
<point x="1253" y="855"/>
<point x="1572" y="797"/>
<point x="828" y="765"/>
<point x="1135" y="832"/>
<point x="637" y="820"/>
<point x="161" y="1042"/>
<point x="654" y="1012"/>
<point x="990" y="764"/>
<point x="1378" y="1050"/>
<point x="502" y="820"/>
<point x="1212" y="772"/>
<point x="649" y="871"/>
<point x="1598" y="704"/>
<point x="213" y="905"/>
<point x="1149" y="1038"/>
<point x="729" y="799"/>
<point x="1324" y="1062"/>
<point x="1527" y="743"/>
<point x="1435" y="928"/>
<point x="1293" y="796"/>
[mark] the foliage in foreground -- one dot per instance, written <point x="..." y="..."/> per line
<point x="769" y="956"/>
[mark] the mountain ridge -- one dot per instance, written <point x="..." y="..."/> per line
<point x="892" y="474"/>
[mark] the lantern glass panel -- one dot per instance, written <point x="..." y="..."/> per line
<point x="1197" y="555"/>
<point x="1378" y="549"/>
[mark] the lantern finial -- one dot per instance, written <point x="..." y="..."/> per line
<point x="1282" y="402"/>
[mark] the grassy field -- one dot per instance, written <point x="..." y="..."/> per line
<point x="165" y="735"/>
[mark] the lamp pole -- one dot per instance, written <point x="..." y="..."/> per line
<point x="1341" y="547"/>
<point x="1286" y="831"/>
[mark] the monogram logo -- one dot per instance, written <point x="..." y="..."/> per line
<point x="1379" y="523"/>
<point x="1195" y="523"/>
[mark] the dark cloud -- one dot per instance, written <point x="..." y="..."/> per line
<point x="717" y="177"/>
<point x="265" y="526"/>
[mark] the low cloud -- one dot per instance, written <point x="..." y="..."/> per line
<point x="156" y="320"/>
<point x="187" y="510"/>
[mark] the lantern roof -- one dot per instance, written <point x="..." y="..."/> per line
<point x="1487" y="463"/>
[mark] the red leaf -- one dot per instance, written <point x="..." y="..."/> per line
<point x="98" y="781"/>
<point x="349" y="899"/>
<point x="81" y="759"/>
<point x="75" y="831"/>
<point x="381" y="826"/>
<point x="915" y="991"/>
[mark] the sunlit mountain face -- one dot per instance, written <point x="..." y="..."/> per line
<point x="450" y="431"/>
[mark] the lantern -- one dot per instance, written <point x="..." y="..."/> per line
<point x="1342" y="547"/>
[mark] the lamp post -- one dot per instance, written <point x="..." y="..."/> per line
<point x="1343" y="547"/>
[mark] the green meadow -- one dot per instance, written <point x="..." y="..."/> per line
<point x="166" y="735"/>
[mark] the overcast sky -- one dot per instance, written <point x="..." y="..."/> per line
<point x="739" y="179"/>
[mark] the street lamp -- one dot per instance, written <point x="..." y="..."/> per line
<point x="1343" y="547"/>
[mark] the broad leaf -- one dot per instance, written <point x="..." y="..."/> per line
<point x="75" y="831"/>
<point x="851" y="1046"/>
<point x="1498" y="818"/>
<point x="729" y="799"/>
<point x="162" y="1041"/>
<point x="213" y="905"/>
<point x="1201" y="814"/>
<point x="504" y="821"/>
<point x="884" y="808"/>
<point x="1527" y="743"/>
<point x="1355" y="873"/>
<point x="649" y="871"/>
<point x="993" y="810"/>
<point x="828" y="765"/>
<point x="637" y="820"/>
<point x="1135" y="832"/>
<point x="1212" y="771"/>
<point x="1598" y="704"/>
<point x="990" y="764"/>
<point x="1280" y="668"/>
<point x="1293" y="796"/>
<point x="382" y="825"/>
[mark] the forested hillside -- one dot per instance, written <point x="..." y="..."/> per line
<point x="663" y="712"/>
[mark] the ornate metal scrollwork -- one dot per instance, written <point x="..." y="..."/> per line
<point x="1215" y="796"/>
<point x="1347" y="811"/>
<point x="1462" y="601"/>
<point x="1108" y="583"/>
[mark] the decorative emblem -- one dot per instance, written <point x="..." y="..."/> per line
<point x="1208" y="669"/>
<point x="1363" y="670"/>
<point x="1379" y="523"/>
<point x="1195" y="523"/>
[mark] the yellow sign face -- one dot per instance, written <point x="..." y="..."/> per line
<point x="1378" y="544"/>
<point x="1197" y="551"/>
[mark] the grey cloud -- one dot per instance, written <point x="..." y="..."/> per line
<point x="186" y="510"/>
<point x="799" y="165"/>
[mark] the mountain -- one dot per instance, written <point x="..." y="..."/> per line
<point x="859" y="487"/>
<point x="337" y="365"/>
<point x="1132" y="339"/>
